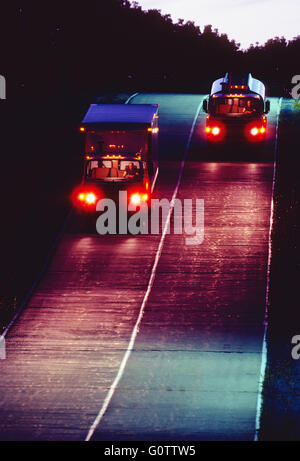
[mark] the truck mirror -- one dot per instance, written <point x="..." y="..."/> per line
<point x="205" y="106"/>
<point x="267" y="107"/>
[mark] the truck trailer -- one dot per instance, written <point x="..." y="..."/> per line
<point x="121" y="154"/>
<point x="236" y="109"/>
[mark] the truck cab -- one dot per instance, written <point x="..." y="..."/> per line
<point x="121" y="154"/>
<point x="236" y="109"/>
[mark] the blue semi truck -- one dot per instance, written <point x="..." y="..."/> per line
<point x="121" y="153"/>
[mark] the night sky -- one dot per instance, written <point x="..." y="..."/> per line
<point x="246" y="21"/>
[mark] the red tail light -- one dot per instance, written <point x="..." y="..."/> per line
<point x="85" y="197"/>
<point x="216" y="130"/>
<point x="254" y="131"/>
<point x="90" y="198"/>
<point x="137" y="198"/>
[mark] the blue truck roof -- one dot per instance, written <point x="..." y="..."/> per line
<point x="120" y="114"/>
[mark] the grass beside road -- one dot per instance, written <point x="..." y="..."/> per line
<point x="281" y="409"/>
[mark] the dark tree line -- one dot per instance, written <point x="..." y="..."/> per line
<point x="51" y="48"/>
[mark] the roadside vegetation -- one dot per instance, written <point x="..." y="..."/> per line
<point x="282" y="385"/>
<point x="108" y="45"/>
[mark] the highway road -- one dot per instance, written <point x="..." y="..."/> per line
<point x="144" y="337"/>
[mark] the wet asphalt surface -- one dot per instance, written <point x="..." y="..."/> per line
<point x="194" y="369"/>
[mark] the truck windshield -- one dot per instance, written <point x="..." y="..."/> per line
<point x="129" y="170"/>
<point x="122" y="142"/>
<point x="236" y="106"/>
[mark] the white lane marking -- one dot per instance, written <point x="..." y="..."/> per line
<point x="264" y="351"/>
<point x="39" y="276"/>
<point x="130" y="98"/>
<point x="150" y="284"/>
<point x="154" y="180"/>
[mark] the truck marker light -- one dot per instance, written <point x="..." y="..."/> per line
<point x="113" y="156"/>
<point x="115" y="146"/>
<point x="81" y="197"/>
<point x="208" y="129"/>
<point x="262" y="130"/>
<point x="145" y="197"/>
<point x="149" y="129"/>
<point x="82" y="129"/>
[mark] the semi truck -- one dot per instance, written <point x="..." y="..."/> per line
<point x="236" y="109"/>
<point x="121" y="154"/>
